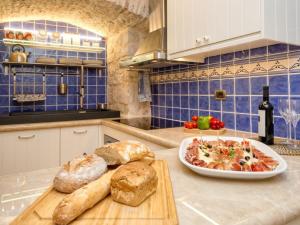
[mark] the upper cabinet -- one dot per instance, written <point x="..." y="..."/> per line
<point x="205" y="27"/>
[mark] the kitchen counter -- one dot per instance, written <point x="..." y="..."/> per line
<point x="199" y="200"/>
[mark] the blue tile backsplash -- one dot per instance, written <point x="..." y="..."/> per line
<point x="189" y="89"/>
<point x="94" y="79"/>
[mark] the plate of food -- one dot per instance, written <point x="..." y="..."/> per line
<point x="230" y="157"/>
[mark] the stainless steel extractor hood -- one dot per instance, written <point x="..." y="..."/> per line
<point x="152" y="52"/>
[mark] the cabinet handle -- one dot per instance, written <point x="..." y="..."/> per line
<point x="27" y="137"/>
<point x="80" y="131"/>
<point x="198" y="40"/>
<point x="206" y="38"/>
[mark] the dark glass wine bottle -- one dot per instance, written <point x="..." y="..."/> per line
<point x="265" y="123"/>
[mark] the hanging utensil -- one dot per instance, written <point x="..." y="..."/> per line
<point x="62" y="87"/>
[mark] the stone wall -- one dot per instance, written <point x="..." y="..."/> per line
<point x="123" y="84"/>
<point x="110" y="19"/>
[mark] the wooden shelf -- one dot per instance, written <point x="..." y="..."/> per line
<point x="49" y="64"/>
<point x="53" y="46"/>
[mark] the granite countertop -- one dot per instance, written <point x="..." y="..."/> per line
<point x="199" y="200"/>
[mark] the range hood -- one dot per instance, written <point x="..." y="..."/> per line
<point x="152" y="52"/>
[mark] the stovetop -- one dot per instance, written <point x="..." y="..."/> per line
<point x="144" y="123"/>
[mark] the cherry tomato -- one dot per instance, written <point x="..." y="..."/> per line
<point x="222" y="125"/>
<point x="195" y="125"/>
<point x="194" y="118"/>
<point x="185" y="124"/>
<point x="189" y="125"/>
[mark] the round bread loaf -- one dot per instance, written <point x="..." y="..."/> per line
<point x="79" y="172"/>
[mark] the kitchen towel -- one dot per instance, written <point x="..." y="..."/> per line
<point x="144" y="92"/>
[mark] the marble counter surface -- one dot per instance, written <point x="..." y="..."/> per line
<point x="199" y="200"/>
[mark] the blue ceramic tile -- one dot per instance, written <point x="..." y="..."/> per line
<point x="72" y="99"/>
<point x="4" y="79"/>
<point x="61" y="100"/>
<point x="155" y="99"/>
<point x="193" y="102"/>
<point x="203" y="113"/>
<point x="214" y="59"/>
<point x="203" y="87"/>
<point x="215" y="114"/>
<point x="228" y="86"/>
<point x="73" y="107"/>
<point x="241" y="55"/>
<point x="161" y="88"/>
<point x="4" y="110"/>
<point x="228" y="104"/>
<point x="257" y="84"/>
<point x="176" y="88"/>
<point x="162" y="112"/>
<point x="203" y="102"/>
<point x="193" y="87"/>
<point x="101" y="99"/>
<point x="295" y="84"/>
<point x="243" y="122"/>
<point x="176" y="113"/>
<point x="242" y="104"/>
<point x="242" y="86"/>
<point x="227" y="57"/>
<point x="51" y="100"/>
<point x="51" y="90"/>
<point x="162" y="123"/>
<point x="51" y="108"/>
<point x="169" y="112"/>
<point x="184" y="88"/>
<point x="4" y="90"/>
<point x="278" y="85"/>
<point x="293" y="48"/>
<point x="93" y="89"/>
<point x="176" y="101"/>
<point x="169" y="123"/>
<point x="184" y="102"/>
<point x="39" y="108"/>
<point x="64" y="107"/>
<point x="254" y="122"/>
<point x="169" y="101"/>
<point x="92" y="81"/>
<point x="280" y="129"/>
<point x="162" y="100"/>
<point x="214" y="85"/>
<point x="155" y="111"/>
<point x="194" y="112"/>
<point x="277" y="48"/>
<point x="255" y="101"/>
<point x="215" y="104"/>
<point x="156" y="122"/>
<point x="274" y="100"/>
<point x="169" y="88"/>
<point x="228" y="119"/>
<point x="257" y="52"/>
<point x="185" y="116"/>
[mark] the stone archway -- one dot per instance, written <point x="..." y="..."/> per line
<point x="122" y="27"/>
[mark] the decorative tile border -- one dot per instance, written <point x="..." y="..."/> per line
<point x="216" y="71"/>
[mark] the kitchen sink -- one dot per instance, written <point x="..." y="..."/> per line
<point x="55" y="116"/>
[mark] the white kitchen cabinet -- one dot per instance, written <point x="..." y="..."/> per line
<point x="208" y="27"/>
<point x="29" y="150"/>
<point x="78" y="140"/>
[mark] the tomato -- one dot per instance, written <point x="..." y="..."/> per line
<point x="214" y="124"/>
<point x="194" y="118"/>
<point x="189" y="125"/>
<point x="195" y="125"/>
<point x="185" y="124"/>
<point x="257" y="168"/>
<point x="222" y="125"/>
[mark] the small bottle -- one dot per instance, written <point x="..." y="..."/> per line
<point x="265" y="123"/>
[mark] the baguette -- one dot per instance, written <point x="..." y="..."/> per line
<point x="73" y="205"/>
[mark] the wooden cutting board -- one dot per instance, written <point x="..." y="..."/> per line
<point x="205" y="132"/>
<point x="158" y="209"/>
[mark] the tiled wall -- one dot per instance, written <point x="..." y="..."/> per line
<point x="95" y="80"/>
<point x="182" y="91"/>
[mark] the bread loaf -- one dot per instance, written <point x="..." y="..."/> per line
<point x="73" y="205"/>
<point x="133" y="183"/>
<point x="125" y="151"/>
<point x="79" y="172"/>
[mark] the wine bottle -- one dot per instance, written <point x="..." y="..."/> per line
<point x="265" y="123"/>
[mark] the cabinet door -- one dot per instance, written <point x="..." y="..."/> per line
<point x="245" y="17"/>
<point x="78" y="140"/>
<point x="29" y="150"/>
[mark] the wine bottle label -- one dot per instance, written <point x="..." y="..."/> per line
<point x="262" y="123"/>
